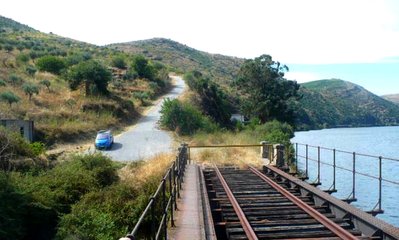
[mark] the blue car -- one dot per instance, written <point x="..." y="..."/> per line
<point x="104" y="140"/>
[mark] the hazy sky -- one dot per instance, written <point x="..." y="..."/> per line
<point x="307" y="35"/>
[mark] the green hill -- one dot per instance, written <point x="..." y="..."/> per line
<point x="335" y="103"/>
<point x="220" y="68"/>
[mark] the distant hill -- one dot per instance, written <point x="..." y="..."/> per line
<point x="222" y="69"/>
<point x="7" y="24"/>
<point x="392" y="97"/>
<point x="335" y="103"/>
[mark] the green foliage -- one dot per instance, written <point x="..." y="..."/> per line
<point x="9" y="97"/>
<point x="23" y="58"/>
<point x="142" y="96"/>
<point x="264" y="91"/>
<point x="143" y="68"/>
<point x="51" y="64"/>
<point x="8" y="47"/>
<point x="30" y="89"/>
<point x="119" y="62"/>
<point x="275" y="132"/>
<point x="31" y="70"/>
<point x="213" y="101"/>
<point x="35" y="202"/>
<point x="103" y="214"/>
<point x="37" y="148"/>
<point x="183" y="118"/>
<point x="89" y="72"/>
<point x="12" y="147"/>
<point x="46" y="83"/>
<point x="14" y="79"/>
<point x="2" y="83"/>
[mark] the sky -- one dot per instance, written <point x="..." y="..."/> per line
<point x="355" y="40"/>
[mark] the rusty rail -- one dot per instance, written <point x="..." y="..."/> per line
<point x="335" y="228"/>
<point x="241" y="216"/>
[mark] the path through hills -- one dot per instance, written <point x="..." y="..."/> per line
<point x="145" y="139"/>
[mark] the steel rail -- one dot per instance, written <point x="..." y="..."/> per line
<point x="241" y="216"/>
<point x="333" y="227"/>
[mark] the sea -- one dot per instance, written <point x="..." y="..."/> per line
<point x="359" y="149"/>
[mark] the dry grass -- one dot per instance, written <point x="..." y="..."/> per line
<point x="150" y="170"/>
<point x="226" y="156"/>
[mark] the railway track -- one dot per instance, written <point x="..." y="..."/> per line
<point x="248" y="204"/>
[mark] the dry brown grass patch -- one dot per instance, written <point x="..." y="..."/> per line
<point x="150" y="170"/>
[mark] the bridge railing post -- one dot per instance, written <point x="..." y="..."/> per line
<point x="280" y="162"/>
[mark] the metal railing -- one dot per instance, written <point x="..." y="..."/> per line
<point x="162" y="204"/>
<point x="310" y="153"/>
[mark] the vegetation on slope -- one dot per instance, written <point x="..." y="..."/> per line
<point x="84" y="197"/>
<point x="223" y="69"/>
<point x="65" y="86"/>
<point x="335" y="103"/>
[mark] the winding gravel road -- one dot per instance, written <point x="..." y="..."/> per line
<point x="145" y="139"/>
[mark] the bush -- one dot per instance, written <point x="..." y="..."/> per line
<point x="2" y="83"/>
<point x="31" y="70"/>
<point x="14" y="79"/>
<point x="51" y="64"/>
<point x="23" y="58"/>
<point x="119" y="62"/>
<point x="183" y="118"/>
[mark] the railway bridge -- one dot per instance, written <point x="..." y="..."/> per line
<point x="270" y="202"/>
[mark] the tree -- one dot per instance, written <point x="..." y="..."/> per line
<point x="212" y="99"/>
<point x="143" y="68"/>
<point x="14" y="79"/>
<point x="50" y="64"/>
<point x="263" y="90"/>
<point x="46" y="83"/>
<point x="9" y="97"/>
<point x="89" y="72"/>
<point x="30" y="89"/>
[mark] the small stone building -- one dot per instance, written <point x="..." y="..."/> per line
<point x="24" y="127"/>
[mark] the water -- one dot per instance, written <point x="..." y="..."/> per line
<point x="378" y="141"/>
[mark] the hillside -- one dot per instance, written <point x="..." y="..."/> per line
<point x="183" y="58"/>
<point x="31" y="89"/>
<point x="335" y="103"/>
<point x="7" y="24"/>
<point x="392" y="97"/>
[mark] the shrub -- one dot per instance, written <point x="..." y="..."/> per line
<point x="183" y="118"/>
<point x="23" y="58"/>
<point x="14" y="79"/>
<point x="118" y="62"/>
<point x="9" y="97"/>
<point x="31" y="70"/>
<point x="2" y="83"/>
<point x="51" y="64"/>
<point x="142" y="96"/>
<point x="143" y="68"/>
